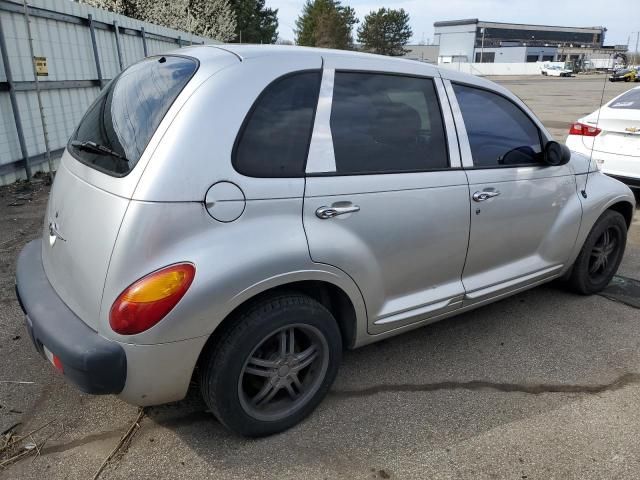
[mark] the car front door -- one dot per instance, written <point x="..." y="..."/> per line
<point x="386" y="200"/>
<point x="525" y="214"/>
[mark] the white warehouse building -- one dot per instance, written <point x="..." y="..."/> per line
<point x="473" y="40"/>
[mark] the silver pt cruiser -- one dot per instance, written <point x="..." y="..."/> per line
<point x="242" y="214"/>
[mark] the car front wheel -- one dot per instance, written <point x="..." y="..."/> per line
<point x="273" y="367"/>
<point x="601" y="254"/>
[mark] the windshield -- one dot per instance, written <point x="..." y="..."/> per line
<point x="128" y="111"/>
<point x="628" y="100"/>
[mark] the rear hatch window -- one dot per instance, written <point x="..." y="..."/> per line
<point x="120" y="123"/>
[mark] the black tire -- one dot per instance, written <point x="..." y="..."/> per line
<point x="227" y="375"/>
<point x="585" y="278"/>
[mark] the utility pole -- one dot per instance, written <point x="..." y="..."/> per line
<point x="635" y="53"/>
<point x="482" y="45"/>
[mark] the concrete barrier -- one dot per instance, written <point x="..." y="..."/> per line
<point x="496" y="68"/>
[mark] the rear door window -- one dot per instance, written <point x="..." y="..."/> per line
<point x="384" y="123"/>
<point x="500" y="133"/>
<point x="116" y="129"/>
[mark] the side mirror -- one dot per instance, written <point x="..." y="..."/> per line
<point x="556" y="154"/>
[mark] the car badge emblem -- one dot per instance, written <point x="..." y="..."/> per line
<point x="632" y="130"/>
<point x="54" y="233"/>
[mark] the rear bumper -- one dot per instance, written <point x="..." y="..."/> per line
<point x="631" y="182"/>
<point x="93" y="363"/>
<point x="624" y="168"/>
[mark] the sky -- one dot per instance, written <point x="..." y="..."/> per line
<point x="620" y="17"/>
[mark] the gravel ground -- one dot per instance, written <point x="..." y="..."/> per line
<point x="538" y="386"/>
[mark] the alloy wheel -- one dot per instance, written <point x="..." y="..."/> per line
<point x="283" y="372"/>
<point x="604" y="253"/>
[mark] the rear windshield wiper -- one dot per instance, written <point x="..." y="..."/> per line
<point x="94" y="147"/>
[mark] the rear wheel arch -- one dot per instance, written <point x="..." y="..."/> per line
<point x="332" y="297"/>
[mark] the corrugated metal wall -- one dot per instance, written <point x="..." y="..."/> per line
<point x="61" y="33"/>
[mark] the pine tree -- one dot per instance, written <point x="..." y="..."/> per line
<point x="325" y="23"/>
<point x="385" y="32"/>
<point x="254" y="22"/>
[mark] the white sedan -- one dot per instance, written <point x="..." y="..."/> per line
<point x="556" y="71"/>
<point x="614" y="139"/>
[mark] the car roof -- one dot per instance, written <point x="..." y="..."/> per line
<point x="245" y="52"/>
<point x="252" y="51"/>
<point x="404" y="66"/>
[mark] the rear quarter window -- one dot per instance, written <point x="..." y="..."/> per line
<point x="128" y="111"/>
<point x="274" y="140"/>
<point x="629" y="100"/>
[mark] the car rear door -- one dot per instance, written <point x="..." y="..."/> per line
<point x="386" y="200"/>
<point x="525" y="214"/>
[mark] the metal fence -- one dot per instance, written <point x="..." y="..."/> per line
<point x="77" y="49"/>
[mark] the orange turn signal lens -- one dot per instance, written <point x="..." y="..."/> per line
<point x="150" y="299"/>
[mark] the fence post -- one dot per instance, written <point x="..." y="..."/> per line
<point x="144" y="42"/>
<point x="179" y="41"/>
<point x="95" y="49"/>
<point x="45" y="132"/>
<point x="116" y="29"/>
<point x="14" y="103"/>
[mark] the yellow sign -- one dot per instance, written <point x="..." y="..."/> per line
<point x="41" y="66"/>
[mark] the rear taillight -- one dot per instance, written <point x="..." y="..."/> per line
<point x="578" y="128"/>
<point x="150" y="299"/>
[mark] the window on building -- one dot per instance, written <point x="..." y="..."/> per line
<point x="536" y="37"/>
<point x="386" y="123"/>
<point x="547" y="58"/>
<point x="499" y="132"/>
<point x="275" y="139"/>
<point x="485" y="57"/>
<point x="532" y="58"/>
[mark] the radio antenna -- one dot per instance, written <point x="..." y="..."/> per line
<point x="604" y="87"/>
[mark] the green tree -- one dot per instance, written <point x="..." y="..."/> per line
<point x="123" y="7"/>
<point x="209" y="18"/>
<point x="255" y="22"/>
<point x="326" y="23"/>
<point x="385" y="32"/>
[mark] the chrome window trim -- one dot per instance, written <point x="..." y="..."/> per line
<point x="463" y="139"/>
<point x="449" y="124"/>
<point x="321" y="156"/>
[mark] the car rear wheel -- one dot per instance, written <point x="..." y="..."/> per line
<point x="601" y="254"/>
<point x="273" y="367"/>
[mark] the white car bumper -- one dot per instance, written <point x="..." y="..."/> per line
<point x="625" y="168"/>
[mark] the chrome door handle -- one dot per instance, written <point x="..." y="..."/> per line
<point x="330" y="212"/>
<point x="482" y="196"/>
